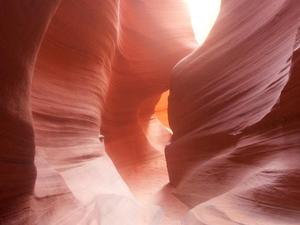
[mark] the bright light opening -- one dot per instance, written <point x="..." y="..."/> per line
<point x="203" y="16"/>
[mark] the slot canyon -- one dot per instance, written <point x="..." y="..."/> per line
<point x="150" y="112"/>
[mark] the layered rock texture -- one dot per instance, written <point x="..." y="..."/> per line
<point x="73" y="71"/>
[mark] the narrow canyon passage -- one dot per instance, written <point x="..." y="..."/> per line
<point x="139" y="112"/>
<point x="147" y="176"/>
<point x="145" y="170"/>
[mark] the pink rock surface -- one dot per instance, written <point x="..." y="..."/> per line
<point x="149" y="45"/>
<point x="71" y="70"/>
<point x="236" y="131"/>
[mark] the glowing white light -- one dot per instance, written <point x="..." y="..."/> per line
<point x="203" y="16"/>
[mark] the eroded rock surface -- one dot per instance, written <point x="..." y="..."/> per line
<point x="236" y="129"/>
<point x="72" y="70"/>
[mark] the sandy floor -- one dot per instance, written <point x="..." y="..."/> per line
<point x="148" y="180"/>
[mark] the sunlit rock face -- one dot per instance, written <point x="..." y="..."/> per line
<point x="149" y="46"/>
<point x="233" y="110"/>
<point x="72" y="70"/>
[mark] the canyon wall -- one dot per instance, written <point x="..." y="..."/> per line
<point x="73" y="71"/>
<point x="233" y="110"/>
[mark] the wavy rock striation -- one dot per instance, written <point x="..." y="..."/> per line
<point x="71" y="70"/>
<point x="236" y="129"/>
